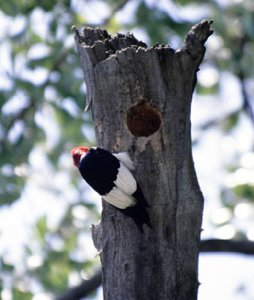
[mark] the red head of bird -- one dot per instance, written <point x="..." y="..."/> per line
<point x="78" y="153"/>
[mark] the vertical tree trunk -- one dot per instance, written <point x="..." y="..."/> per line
<point x="140" y="99"/>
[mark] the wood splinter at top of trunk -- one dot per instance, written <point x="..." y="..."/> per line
<point x="140" y="99"/>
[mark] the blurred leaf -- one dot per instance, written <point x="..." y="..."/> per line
<point x="165" y="27"/>
<point x="5" y="267"/>
<point x="230" y="122"/>
<point x="41" y="229"/>
<point x="55" y="271"/>
<point x="21" y="295"/>
<point x="188" y="2"/>
<point x="245" y="191"/>
<point x="203" y="90"/>
<point x="113" y="26"/>
<point x="10" y="189"/>
<point x="13" y="7"/>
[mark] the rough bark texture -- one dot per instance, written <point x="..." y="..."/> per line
<point x="140" y="99"/>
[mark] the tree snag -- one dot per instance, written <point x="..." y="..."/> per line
<point x="140" y="99"/>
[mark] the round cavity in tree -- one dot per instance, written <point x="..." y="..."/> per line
<point x="143" y="119"/>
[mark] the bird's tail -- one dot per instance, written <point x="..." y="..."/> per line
<point x="139" y="212"/>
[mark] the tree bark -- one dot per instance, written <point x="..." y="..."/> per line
<point x="140" y="99"/>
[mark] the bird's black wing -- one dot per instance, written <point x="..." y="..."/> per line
<point x="99" y="168"/>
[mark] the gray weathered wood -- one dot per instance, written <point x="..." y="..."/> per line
<point x="134" y="90"/>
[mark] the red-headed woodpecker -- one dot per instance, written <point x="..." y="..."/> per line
<point x="110" y="176"/>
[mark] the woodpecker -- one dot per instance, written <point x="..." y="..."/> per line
<point x="109" y="174"/>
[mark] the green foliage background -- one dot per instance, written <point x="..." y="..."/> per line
<point x="41" y="83"/>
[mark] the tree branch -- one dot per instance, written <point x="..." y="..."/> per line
<point x="115" y="9"/>
<point x="84" y="289"/>
<point x="196" y="38"/>
<point x="217" y="245"/>
<point x="246" y="101"/>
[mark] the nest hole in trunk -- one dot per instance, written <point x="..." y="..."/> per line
<point x="143" y="119"/>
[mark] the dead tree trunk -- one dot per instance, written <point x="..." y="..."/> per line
<point x="140" y="99"/>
